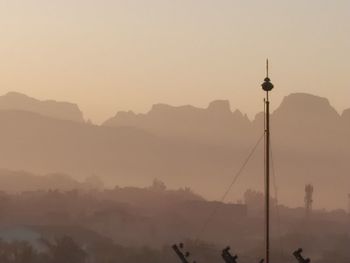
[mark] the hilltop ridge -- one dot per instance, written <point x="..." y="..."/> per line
<point x="50" y="108"/>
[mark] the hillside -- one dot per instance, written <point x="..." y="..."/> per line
<point x="309" y="142"/>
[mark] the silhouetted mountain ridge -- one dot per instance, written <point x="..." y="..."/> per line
<point x="216" y="124"/>
<point x="50" y="108"/>
<point x="301" y="108"/>
<point x="200" y="148"/>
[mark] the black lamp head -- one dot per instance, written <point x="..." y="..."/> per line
<point x="267" y="85"/>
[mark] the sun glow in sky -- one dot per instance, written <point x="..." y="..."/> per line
<point x="111" y="55"/>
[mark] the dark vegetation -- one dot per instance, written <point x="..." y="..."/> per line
<point x="65" y="249"/>
<point x="91" y="224"/>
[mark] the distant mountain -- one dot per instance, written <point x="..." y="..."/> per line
<point x="32" y="142"/>
<point x="50" y="108"/>
<point x="216" y="124"/>
<point x="309" y="138"/>
<point x="310" y="122"/>
<point x="299" y="117"/>
<point x="345" y="118"/>
<point x="306" y="112"/>
<point x="188" y="146"/>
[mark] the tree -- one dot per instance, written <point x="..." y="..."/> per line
<point x="158" y="185"/>
<point x="66" y="250"/>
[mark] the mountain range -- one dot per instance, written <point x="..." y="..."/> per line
<point x="185" y="146"/>
<point x="50" y="108"/>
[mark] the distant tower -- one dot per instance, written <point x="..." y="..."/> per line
<point x="309" y="189"/>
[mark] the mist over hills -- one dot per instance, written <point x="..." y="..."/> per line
<point x="188" y="146"/>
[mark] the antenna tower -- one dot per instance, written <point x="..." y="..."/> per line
<point x="309" y="189"/>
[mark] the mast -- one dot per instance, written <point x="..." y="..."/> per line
<point x="267" y="86"/>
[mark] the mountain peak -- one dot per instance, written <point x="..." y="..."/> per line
<point x="50" y="108"/>
<point x="220" y="106"/>
<point x="15" y="94"/>
<point x="305" y="97"/>
<point x="307" y="104"/>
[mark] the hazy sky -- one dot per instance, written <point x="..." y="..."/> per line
<point x="110" y="55"/>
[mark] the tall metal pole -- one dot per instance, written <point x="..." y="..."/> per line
<point x="267" y="86"/>
<point x="267" y="183"/>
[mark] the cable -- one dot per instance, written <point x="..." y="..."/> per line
<point x="235" y="178"/>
